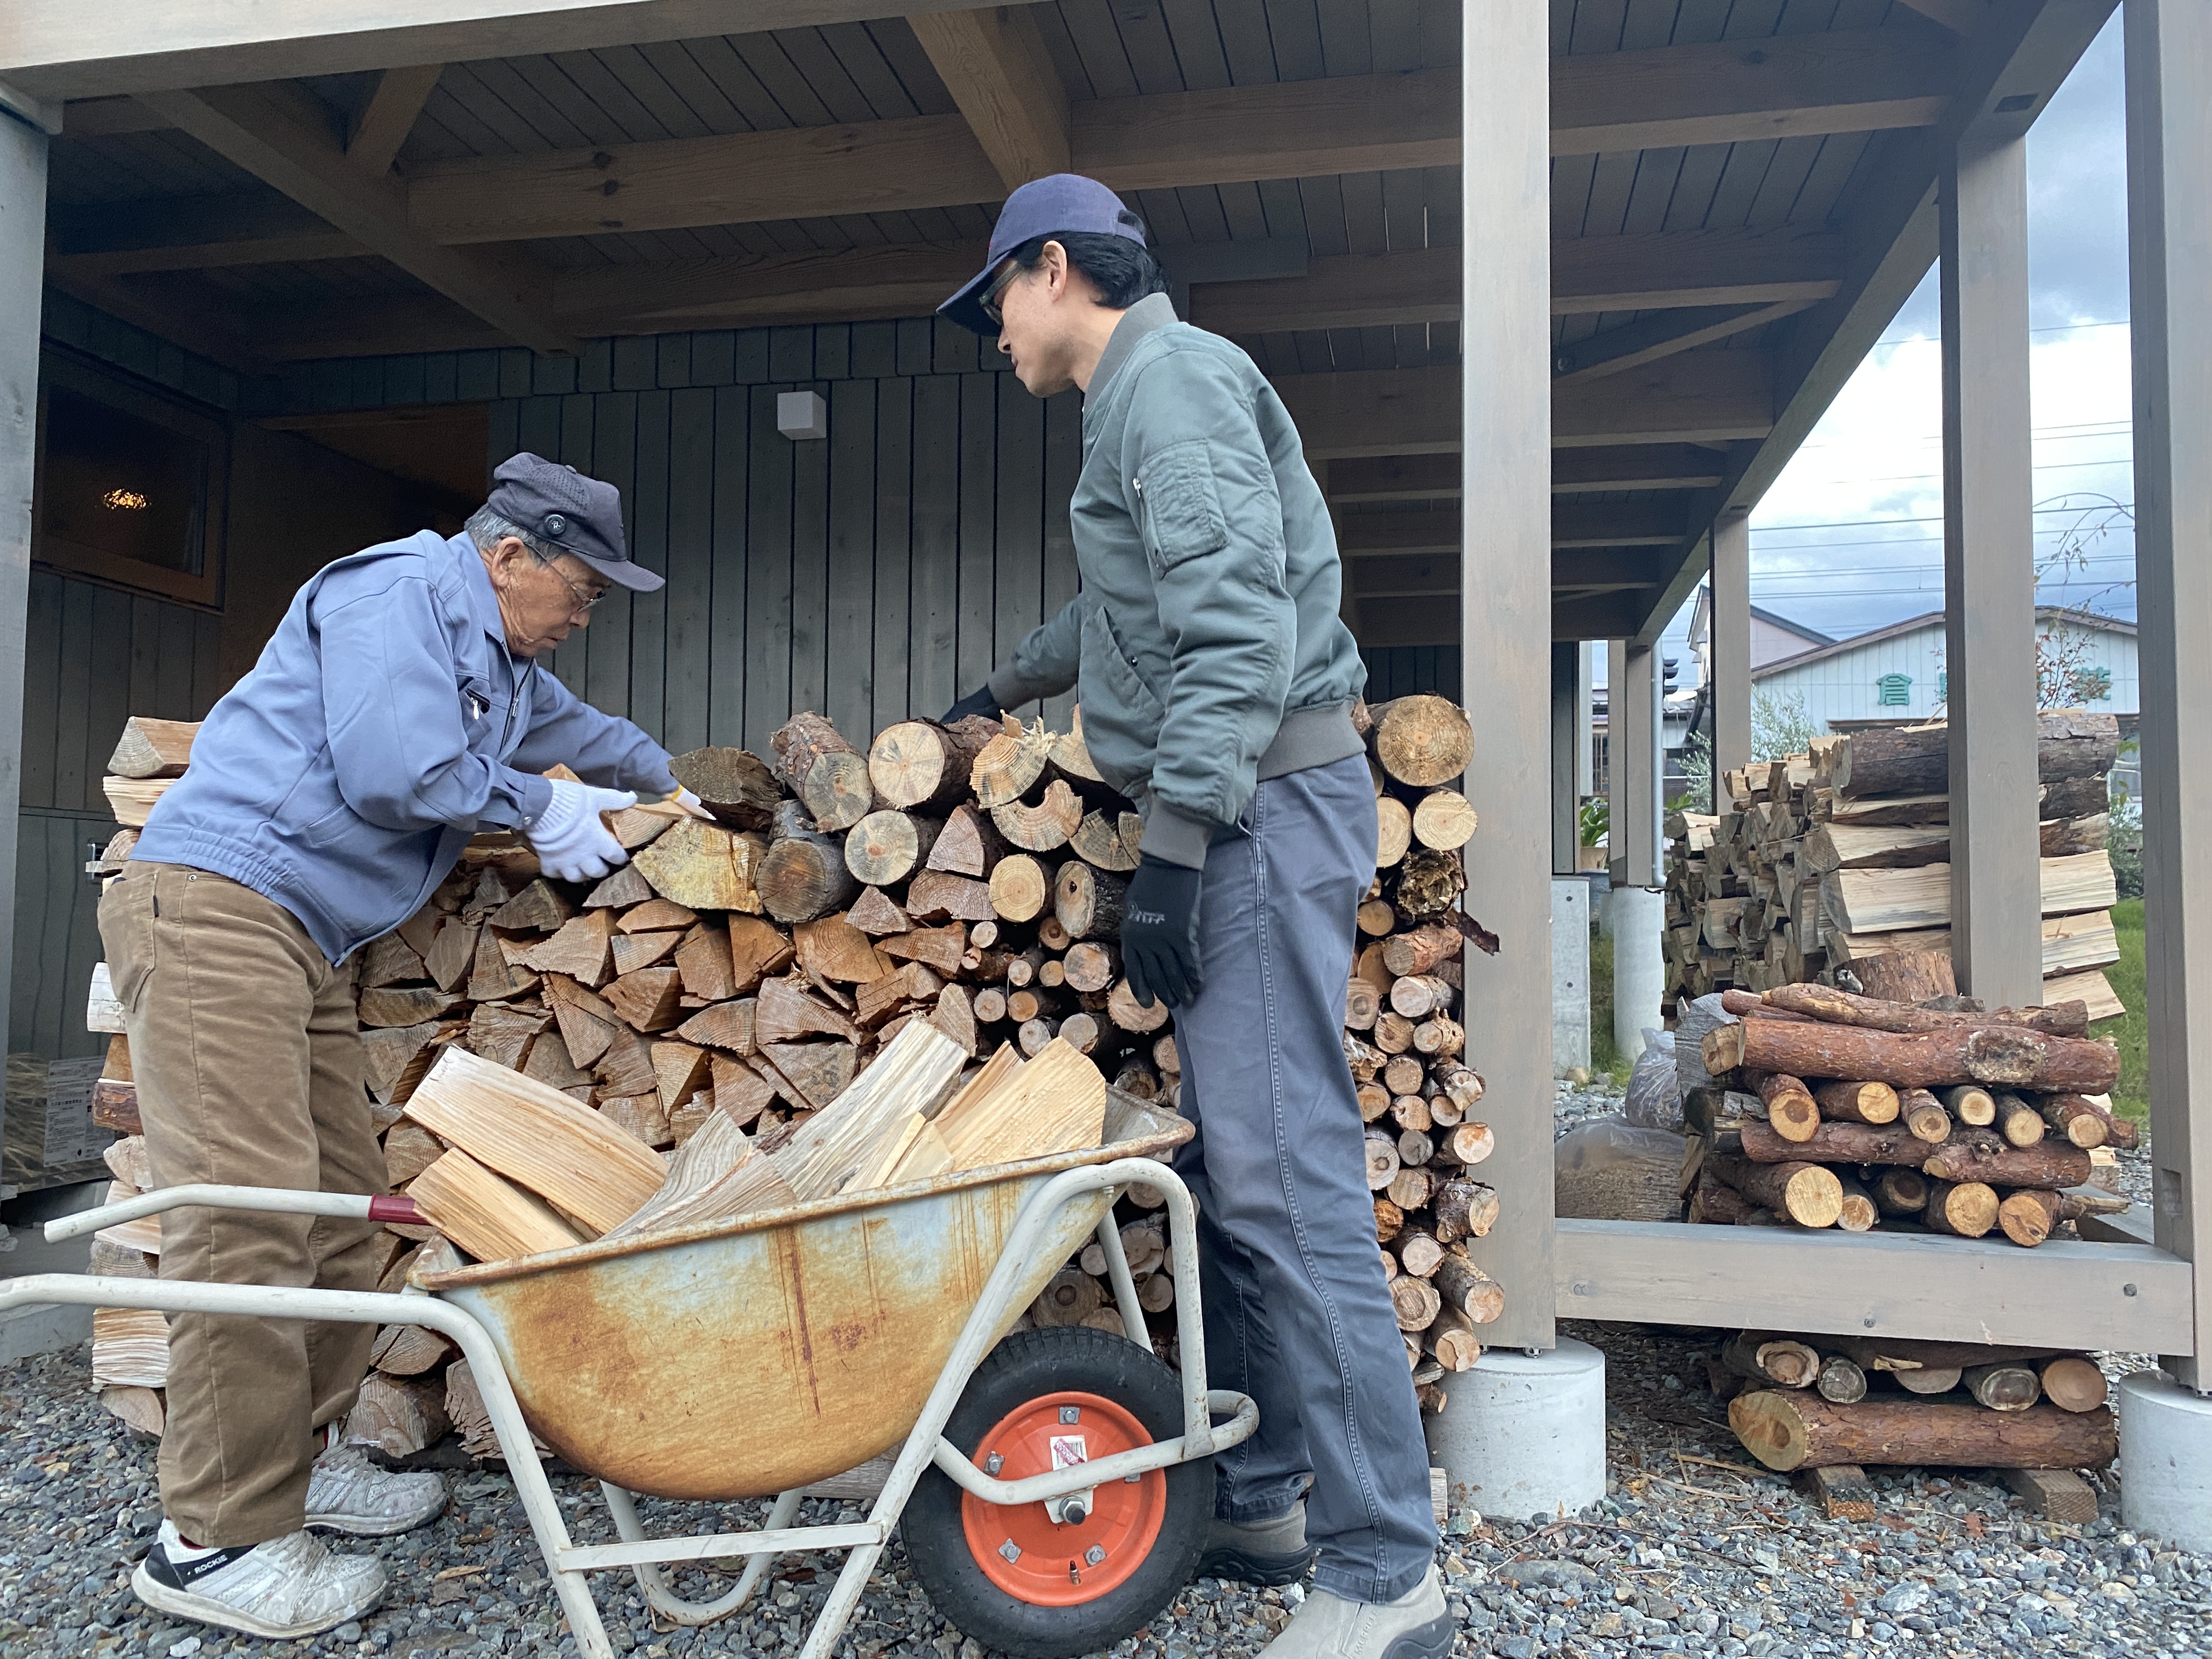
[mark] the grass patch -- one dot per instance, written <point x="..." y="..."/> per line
<point x="2131" y="1095"/>
<point x="1606" y="1058"/>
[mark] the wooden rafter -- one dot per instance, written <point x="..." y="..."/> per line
<point x="390" y="116"/>
<point x="278" y="133"/>
<point x="1574" y="525"/>
<point x="1437" y="477"/>
<point x="994" y="65"/>
<point x="1650" y="339"/>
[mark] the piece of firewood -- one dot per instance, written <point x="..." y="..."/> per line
<point x="403" y="1006"/>
<point x="888" y="846"/>
<point x="955" y="1016"/>
<point x="876" y="913"/>
<point x="1393" y="832"/>
<point x="970" y="844"/>
<point x="942" y="948"/>
<point x="492" y="1219"/>
<point x="704" y="867"/>
<point x="1791" y="1110"/>
<point x="1906" y="976"/>
<point x="934" y="897"/>
<point x="1443" y="820"/>
<point x="1422" y="740"/>
<point x="538" y="1136"/>
<point x="647" y="1000"/>
<point x="1792" y="1430"/>
<point x="538" y="908"/>
<point x="1465" y="1288"/>
<point x="395" y="1059"/>
<point x="1463" y="1209"/>
<point x="783" y="1013"/>
<point x="1980" y="1154"/>
<point x="1841" y="1382"/>
<point x="922" y="765"/>
<point x="1857" y="1102"/>
<point x="1808" y="1193"/>
<point x="626" y="887"/>
<point x="634" y="951"/>
<point x="1836" y="1143"/>
<point x="1110" y="844"/>
<point x="1013" y="761"/>
<point x="1130" y="1015"/>
<point x="399" y="1416"/>
<point x="1417" y="996"/>
<point x="1092" y="965"/>
<point x="1055" y="1103"/>
<point x="681" y="1070"/>
<point x="1780" y="1360"/>
<point x="1860" y="1213"/>
<point x="1923" y="1115"/>
<point x="1999" y="1055"/>
<point x="1420" y="950"/>
<point x="1088" y="901"/>
<point x="1900" y="1192"/>
<point x="756" y="949"/>
<point x="1963" y="1209"/>
<point x="152" y="749"/>
<point x="727" y="1025"/>
<point x="583" y="950"/>
<point x="736" y="786"/>
<point x="130" y="800"/>
<point x="1047" y="824"/>
<point x="2019" y="1122"/>
<point x="1019" y="888"/>
<point x="2074" y="1384"/>
<point x="451" y="955"/>
<point x="2027" y="1216"/>
<point x="1844" y="1008"/>
<point x="389" y="959"/>
<point x="818" y="1071"/>
<point x="1969" y="1103"/>
<point x="2083" y="1123"/>
<point x="831" y="948"/>
<point x="129" y="1348"/>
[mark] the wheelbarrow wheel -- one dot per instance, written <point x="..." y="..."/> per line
<point x="1013" y="1577"/>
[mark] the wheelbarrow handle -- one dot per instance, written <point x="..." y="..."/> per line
<point x="278" y="1200"/>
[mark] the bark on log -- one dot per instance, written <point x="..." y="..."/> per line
<point x="1792" y="1430"/>
<point x="1463" y="1209"/>
<point x="2083" y="1122"/>
<point x="800" y="742"/>
<point x="1907" y="975"/>
<point x="1420" y="950"/>
<point x="1465" y="1286"/>
<point x="735" y="784"/>
<point x="1807" y="1193"/>
<point x="1924" y="1116"/>
<point x="2008" y="1056"/>
<point x="1963" y="1209"/>
<point x="1415" y="1302"/>
<point x="1874" y="1014"/>
<point x="1860" y="1214"/>
<point x="1837" y="1143"/>
<point x="1980" y="1154"/>
<point x="1088" y="901"/>
<point x="1857" y="1102"/>
<point x="1970" y="1105"/>
<point x="1439" y="1038"/>
<point x="805" y="876"/>
<point x="1791" y="1110"/>
<point x="2020" y="1123"/>
<point x="922" y="765"/>
<point x="2027" y="1216"/>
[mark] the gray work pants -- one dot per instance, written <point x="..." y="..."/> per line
<point x="1298" y="1315"/>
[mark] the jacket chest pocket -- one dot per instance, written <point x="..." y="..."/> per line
<point x="1179" y="505"/>
<point x="483" y="715"/>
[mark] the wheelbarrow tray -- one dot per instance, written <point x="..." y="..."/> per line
<point x="751" y="1357"/>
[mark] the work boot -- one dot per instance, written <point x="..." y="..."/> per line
<point x="347" y="1493"/>
<point x="1259" y="1552"/>
<point x="1328" y="1626"/>
<point x="283" y="1588"/>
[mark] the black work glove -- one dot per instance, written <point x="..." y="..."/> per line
<point x="983" y="701"/>
<point x="1160" y="932"/>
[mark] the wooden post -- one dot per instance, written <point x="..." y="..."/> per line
<point x="2169" y="64"/>
<point x="1633" y="729"/>
<point x="1505" y="627"/>
<point x="1989" y="572"/>
<point x="1731" y="643"/>
<point x="23" y="262"/>
<point x="1567" y="803"/>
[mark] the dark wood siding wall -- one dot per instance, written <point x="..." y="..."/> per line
<point x="1400" y="670"/>
<point x="873" y="574"/>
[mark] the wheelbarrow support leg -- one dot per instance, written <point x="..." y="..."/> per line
<point x="653" y="1583"/>
<point x="1125" y="1288"/>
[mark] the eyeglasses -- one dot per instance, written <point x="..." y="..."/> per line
<point x="584" y="601"/>
<point x="989" y="302"/>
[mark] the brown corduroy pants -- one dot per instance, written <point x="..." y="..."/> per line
<point x="248" y="1064"/>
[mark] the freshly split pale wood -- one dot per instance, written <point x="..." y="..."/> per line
<point x="908" y="1075"/>
<point x="492" y="1219"/>
<point x="1070" y="753"/>
<point x="1056" y="1103"/>
<point x="734" y="784"/>
<point x="1795" y="1430"/>
<point x="519" y="1127"/>
<point x="129" y="1348"/>
<point x="1045" y="825"/>
<point x="152" y="749"/>
<point x="1012" y="762"/>
<point x="970" y="844"/>
<point x="714" y="1176"/>
<point x="1109" y="843"/>
<point x="1393" y="832"/>
<point x="130" y="800"/>
<point x="1443" y="820"/>
<point x="705" y="867"/>
<point x="922" y="765"/>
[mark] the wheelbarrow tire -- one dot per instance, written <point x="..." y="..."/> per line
<point x="1028" y="1366"/>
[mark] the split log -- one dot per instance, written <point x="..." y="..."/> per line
<point x="650" y="999"/>
<point x="803" y="876"/>
<point x="399" y="1416"/>
<point x="733" y="784"/>
<point x="1970" y="1105"/>
<point x="889" y="846"/>
<point x="634" y="951"/>
<point x="538" y="908"/>
<point x="2026" y="1217"/>
<point x="1980" y="1155"/>
<point x="1965" y="1209"/>
<point x="1013" y="761"/>
<point x="922" y="765"/>
<point x="1906" y="976"/>
<point x="936" y="896"/>
<point x="1788" y="1431"/>
<point x="1807" y="1193"/>
<point x="970" y="844"/>
<point x="1045" y="826"/>
<point x="1857" y="1102"/>
<point x="1872" y="1013"/>
<point x="2074" y="1384"/>
<point x="876" y="913"/>
<point x="1423" y="740"/>
<point x="703" y="866"/>
<point x="1088" y="901"/>
<point x="492" y="1219"/>
<point x="1109" y="843"/>
<point x="1443" y="820"/>
<point x="1836" y="1143"/>
<point x="389" y="960"/>
<point x="2011" y="1056"/>
<point x="152" y="749"/>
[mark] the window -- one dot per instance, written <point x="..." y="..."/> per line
<point x="130" y="485"/>
<point x="1943" y="685"/>
<point x="1894" y="691"/>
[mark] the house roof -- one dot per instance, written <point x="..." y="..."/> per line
<point x="1774" y="620"/>
<point x="2044" y="613"/>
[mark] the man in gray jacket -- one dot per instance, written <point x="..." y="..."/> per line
<point x="1216" y="684"/>
<point x="398" y="708"/>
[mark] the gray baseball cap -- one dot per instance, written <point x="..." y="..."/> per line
<point x="560" y="506"/>
<point x="1061" y="202"/>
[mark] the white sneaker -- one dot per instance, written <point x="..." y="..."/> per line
<point x="1328" y="1626"/>
<point x="288" y="1587"/>
<point x="347" y="1493"/>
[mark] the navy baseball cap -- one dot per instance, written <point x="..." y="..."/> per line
<point x="560" y="506"/>
<point x="1058" y="201"/>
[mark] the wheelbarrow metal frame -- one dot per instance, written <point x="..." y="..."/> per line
<point x="568" y="1562"/>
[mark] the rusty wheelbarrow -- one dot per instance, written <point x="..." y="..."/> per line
<point x="752" y="1357"/>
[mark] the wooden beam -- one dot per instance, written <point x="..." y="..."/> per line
<point x="1649" y="271"/>
<point x="1698" y="397"/>
<point x="1597" y="616"/>
<point x="1577" y="571"/>
<point x="994" y="64"/>
<point x="1420" y="620"/>
<point x="1574" y="524"/>
<point x="846" y="285"/>
<point x="68" y="49"/>
<point x="1773" y="86"/>
<point x="203" y="329"/>
<point x="1406" y="575"/>
<point x="1961" y="17"/>
<point x="104" y="117"/>
<point x="390" y="116"/>
<point x="279" y="134"/>
<point x="1648" y="339"/>
<point x="1728" y="647"/>
<point x="1436" y="477"/>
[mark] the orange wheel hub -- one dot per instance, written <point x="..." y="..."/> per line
<point x="1050" y="1563"/>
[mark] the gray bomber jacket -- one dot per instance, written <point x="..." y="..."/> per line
<point x="1205" y="645"/>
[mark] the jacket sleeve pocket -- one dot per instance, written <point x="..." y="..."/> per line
<point x="1181" y="511"/>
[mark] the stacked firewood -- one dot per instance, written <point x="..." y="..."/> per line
<point x="1826" y="859"/>
<point x="1418" y="1091"/>
<point x="1834" y="1110"/>
<point x="1824" y="1401"/>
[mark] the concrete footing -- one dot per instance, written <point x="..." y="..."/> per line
<point x="26" y="1331"/>
<point x="1571" y="979"/>
<point x="1522" y="1434"/>
<point x="1638" y="916"/>
<point x="2165" y="1461"/>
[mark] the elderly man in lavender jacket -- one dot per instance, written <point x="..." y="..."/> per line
<point x="399" y="709"/>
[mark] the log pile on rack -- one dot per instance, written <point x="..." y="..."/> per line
<point x="1838" y="1403"/>
<point x="1834" y="1110"/>
<point x="1418" y="1091"/>
<point x="552" y="1062"/>
<point x="1821" y="860"/>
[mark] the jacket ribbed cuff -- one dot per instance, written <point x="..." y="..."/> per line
<point x="1175" y="836"/>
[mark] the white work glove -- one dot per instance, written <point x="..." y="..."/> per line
<point x="571" y="843"/>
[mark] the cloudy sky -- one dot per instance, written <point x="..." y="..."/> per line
<point x="1850" y="536"/>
